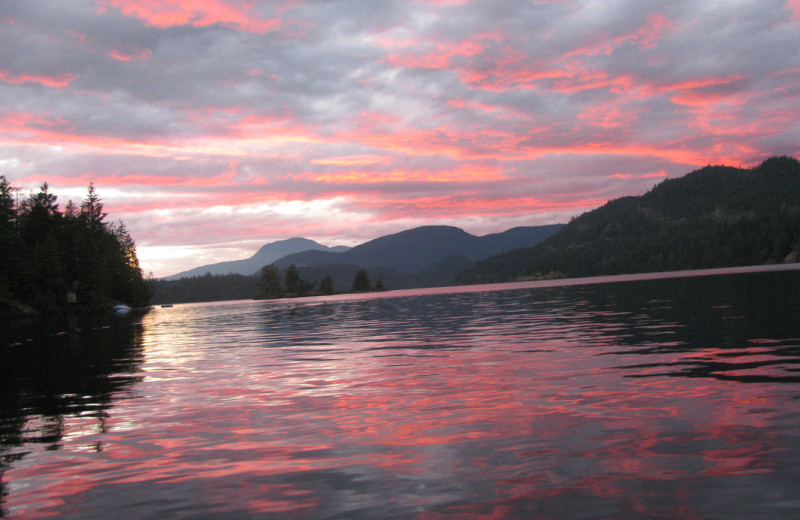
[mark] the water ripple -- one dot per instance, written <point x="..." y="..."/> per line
<point x="660" y="398"/>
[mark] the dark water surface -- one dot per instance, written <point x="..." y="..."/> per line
<point x="666" y="398"/>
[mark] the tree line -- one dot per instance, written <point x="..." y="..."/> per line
<point x="205" y="288"/>
<point x="269" y="284"/>
<point x="52" y="260"/>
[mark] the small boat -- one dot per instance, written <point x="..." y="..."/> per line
<point x="121" y="308"/>
<point x="166" y="306"/>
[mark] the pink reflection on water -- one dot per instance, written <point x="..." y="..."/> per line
<point x="446" y="434"/>
<point x="549" y="414"/>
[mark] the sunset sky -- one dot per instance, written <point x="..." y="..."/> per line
<point x="211" y="127"/>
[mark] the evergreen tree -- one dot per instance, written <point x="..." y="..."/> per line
<point x="326" y="285"/>
<point x="269" y="283"/>
<point x="48" y="255"/>
<point x="128" y="282"/>
<point x="39" y="215"/>
<point x="10" y="250"/>
<point x="41" y="274"/>
<point x="92" y="211"/>
<point x="361" y="281"/>
<point x="93" y="246"/>
<point x="8" y="210"/>
<point x="292" y="280"/>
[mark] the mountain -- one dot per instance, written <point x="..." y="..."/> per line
<point x="427" y="256"/>
<point x="415" y="249"/>
<point x="717" y="216"/>
<point x="268" y="254"/>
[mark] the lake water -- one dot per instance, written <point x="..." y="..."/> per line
<point x="661" y="398"/>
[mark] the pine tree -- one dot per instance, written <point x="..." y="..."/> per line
<point x="292" y="280"/>
<point x="49" y="257"/>
<point x="269" y="283"/>
<point x="361" y="281"/>
<point x="326" y="285"/>
<point x="10" y="252"/>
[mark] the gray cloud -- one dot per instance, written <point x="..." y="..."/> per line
<point x="378" y="110"/>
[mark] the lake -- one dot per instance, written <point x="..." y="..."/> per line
<point x="628" y="397"/>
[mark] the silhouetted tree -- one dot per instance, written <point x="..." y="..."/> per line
<point x="91" y="211"/>
<point x="326" y="285"/>
<point x="8" y="210"/>
<point x="361" y="281"/>
<point x="41" y="274"/>
<point x="292" y="280"/>
<point x="295" y="285"/>
<point x="269" y="283"/>
<point x="10" y="248"/>
<point x="128" y="283"/>
<point x="47" y="254"/>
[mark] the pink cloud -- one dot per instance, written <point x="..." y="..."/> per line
<point x="609" y="115"/>
<point x="794" y="7"/>
<point x="387" y="114"/>
<point x="166" y="13"/>
<point x="138" y="54"/>
<point x="657" y="175"/>
<point x="56" y="81"/>
<point x="700" y="83"/>
<point x="505" y="77"/>
<point x="462" y="173"/>
<point x="433" y="55"/>
<point x="459" y="206"/>
<point x="353" y="160"/>
<point x="586" y="80"/>
<point x="645" y="37"/>
<point x="657" y="26"/>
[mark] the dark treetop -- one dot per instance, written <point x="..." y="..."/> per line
<point x="53" y="260"/>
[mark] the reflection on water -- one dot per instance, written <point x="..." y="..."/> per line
<point x="669" y="398"/>
<point x="58" y="379"/>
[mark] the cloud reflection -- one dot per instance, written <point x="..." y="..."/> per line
<point x="550" y="402"/>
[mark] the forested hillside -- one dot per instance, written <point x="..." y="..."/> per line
<point x="716" y="216"/>
<point x="52" y="260"/>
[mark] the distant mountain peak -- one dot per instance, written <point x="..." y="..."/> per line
<point x="289" y="242"/>
<point x="266" y="255"/>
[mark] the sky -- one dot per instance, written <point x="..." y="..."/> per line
<point x="213" y="127"/>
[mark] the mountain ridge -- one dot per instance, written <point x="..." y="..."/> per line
<point x="414" y="249"/>
<point x="266" y="254"/>
<point x="716" y="216"/>
<point x="406" y="252"/>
